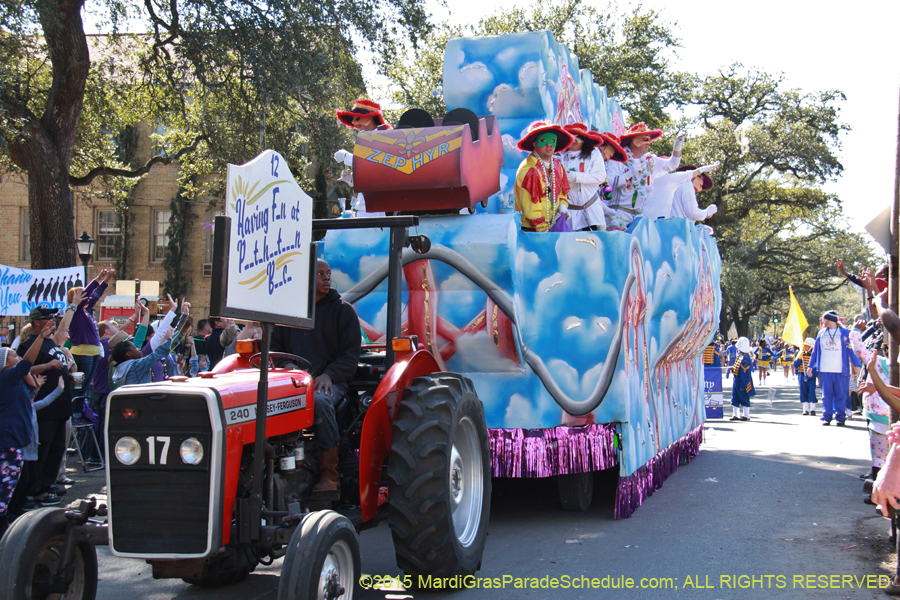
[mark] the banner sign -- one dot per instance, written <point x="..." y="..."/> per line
<point x="23" y="289"/>
<point x="713" y="396"/>
<point x="269" y="272"/>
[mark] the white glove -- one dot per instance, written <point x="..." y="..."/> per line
<point x="347" y="177"/>
<point x="572" y="176"/>
<point x="708" y="168"/>
<point x="563" y="208"/>
<point x="342" y="156"/>
<point x="711" y="210"/>
<point x="679" y="142"/>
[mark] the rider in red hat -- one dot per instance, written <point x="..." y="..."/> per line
<point x="585" y="166"/>
<point x="364" y="116"/>
<point x="542" y="189"/>
<point x="633" y="188"/>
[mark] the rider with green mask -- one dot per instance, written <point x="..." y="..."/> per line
<point x="542" y="188"/>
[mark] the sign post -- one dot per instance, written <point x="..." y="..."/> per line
<point x="264" y="267"/>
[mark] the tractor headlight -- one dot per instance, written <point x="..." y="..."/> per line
<point x="191" y="451"/>
<point x="128" y="450"/>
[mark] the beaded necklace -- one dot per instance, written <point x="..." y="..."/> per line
<point x="832" y="337"/>
<point x="549" y="184"/>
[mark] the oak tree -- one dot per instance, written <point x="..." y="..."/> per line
<point x="225" y="76"/>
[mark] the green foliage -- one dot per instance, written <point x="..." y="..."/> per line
<point x="629" y="53"/>
<point x="775" y="226"/>
<point x="777" y="249"/>
<point x="177" y="280"/>
<point x="846" y="300"/>
<point x="121" y="198"/>
<point x="227" y="79"/>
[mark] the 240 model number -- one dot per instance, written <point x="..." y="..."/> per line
<point x="273" y="407"/>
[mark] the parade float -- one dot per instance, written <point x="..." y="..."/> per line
<point x="585" y="347"/>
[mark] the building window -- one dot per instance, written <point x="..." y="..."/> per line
<point x="24" y="235"/>
<point x="109" y="234"/>
<point x="160" y="238"/>
<point x="156" y="135"/>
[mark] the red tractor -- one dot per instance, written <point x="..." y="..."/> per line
<point x="204" y="486"/>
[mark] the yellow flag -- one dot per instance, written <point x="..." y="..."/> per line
<point x="795" y="325"/>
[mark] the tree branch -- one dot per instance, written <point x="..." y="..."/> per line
<point x="131" y="173"/>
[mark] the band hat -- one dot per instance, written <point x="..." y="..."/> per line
<point x="563" y="138"/>
<point x="641" y="129"/>
<point x="743" y="345"/>
<point x="362" y="108"/>
<point x="619" y="152"/>
<point x="580" y="129"/>
<point x="831" y="316"/>
<point x="707" y="180"/>
<point x="39" y="312"/>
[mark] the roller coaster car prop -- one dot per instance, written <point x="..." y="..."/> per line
<point x="427" y="169"/>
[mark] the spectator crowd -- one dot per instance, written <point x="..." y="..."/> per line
<point x="64" y="364"/>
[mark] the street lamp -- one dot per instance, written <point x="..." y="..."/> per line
<point x="85" y="246"/>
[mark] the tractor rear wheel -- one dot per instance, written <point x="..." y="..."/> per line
<point x="439" y="478"/>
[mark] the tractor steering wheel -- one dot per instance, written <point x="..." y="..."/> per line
<point x="302" y="362"/>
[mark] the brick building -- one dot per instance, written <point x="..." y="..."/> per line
<point x="150" y="215"/>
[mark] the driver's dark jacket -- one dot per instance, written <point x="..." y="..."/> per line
<point x="333" y="347"/>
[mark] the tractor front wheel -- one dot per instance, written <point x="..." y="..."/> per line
<point x="30" y="555"/>
<point x="322" y="561"/>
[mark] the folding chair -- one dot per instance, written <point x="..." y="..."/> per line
<point x="83" y="433"/>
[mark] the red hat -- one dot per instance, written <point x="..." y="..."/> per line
<point x="580" y="129"/>
<point x="362" y="108"/>
<point x="563" y="138"/>
<point x="707" y="180"/>
<point x="619" y="154"/>
<point x="641" y="129"/>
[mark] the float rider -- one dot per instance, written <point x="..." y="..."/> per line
<point x="542" y="188"/>
<point x="365" y="115"/>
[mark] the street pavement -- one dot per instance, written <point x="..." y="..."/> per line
<point x="770" y="508"/>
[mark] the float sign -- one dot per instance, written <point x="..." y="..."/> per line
<point x="270" y="269"/>
<point x="713" y="396"/>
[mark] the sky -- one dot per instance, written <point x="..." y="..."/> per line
<point x="821" y="45"/>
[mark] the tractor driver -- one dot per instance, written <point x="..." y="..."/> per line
<point x="333" y="349"/>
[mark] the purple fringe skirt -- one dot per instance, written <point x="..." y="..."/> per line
<point x="640" y="485"/>
<point x="563" y="450"/>
<point x="552" y="451"/>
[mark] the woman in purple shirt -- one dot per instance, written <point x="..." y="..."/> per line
<point x="83" y="329"/>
